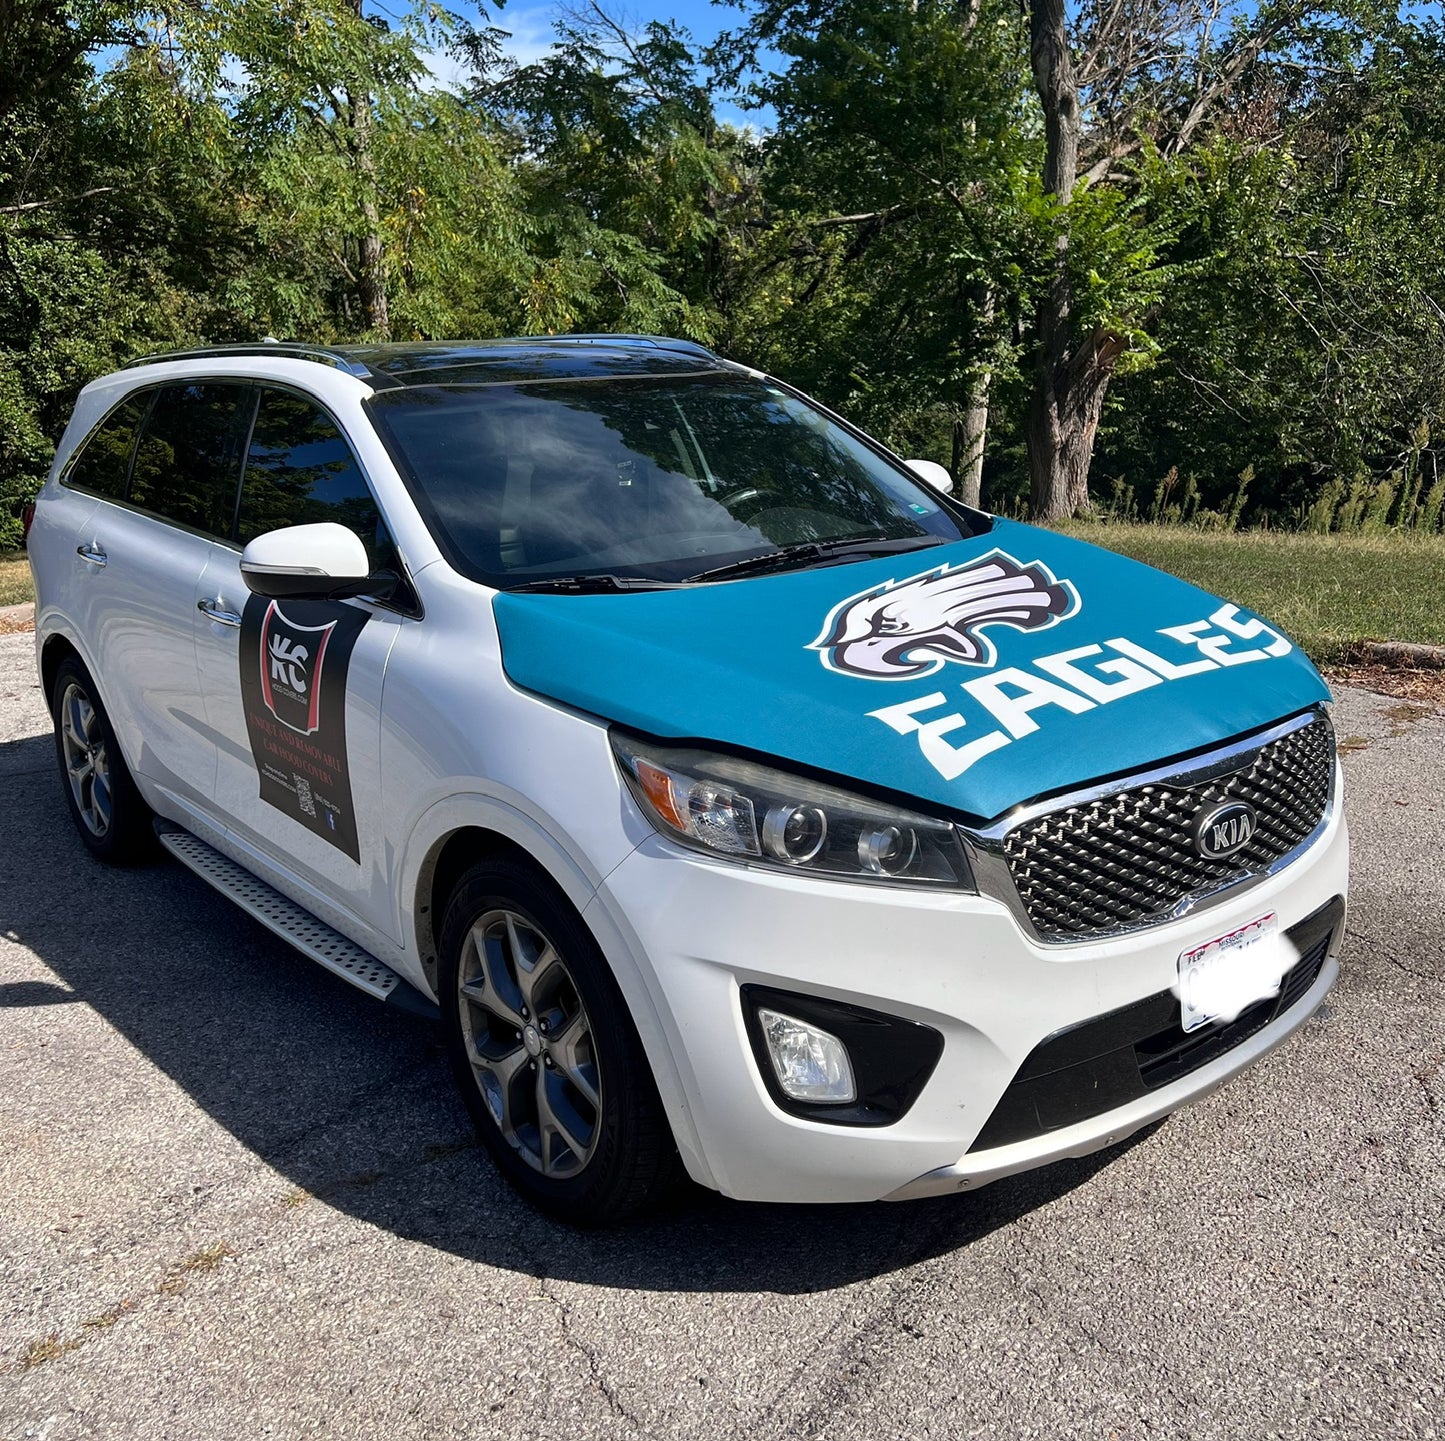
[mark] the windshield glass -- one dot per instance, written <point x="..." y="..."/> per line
<point x="646" y="479"/>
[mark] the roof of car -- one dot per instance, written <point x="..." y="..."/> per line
<point x="482" y="362"/>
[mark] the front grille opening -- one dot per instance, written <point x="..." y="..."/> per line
<point x="1128" y="859"/>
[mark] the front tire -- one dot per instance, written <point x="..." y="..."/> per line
<point x="545" y="1052"/>
<point x="113" y="820"/>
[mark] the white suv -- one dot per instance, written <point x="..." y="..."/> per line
<point x="744" y="805"/>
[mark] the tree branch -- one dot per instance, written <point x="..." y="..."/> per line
<point x="55" y="200"/>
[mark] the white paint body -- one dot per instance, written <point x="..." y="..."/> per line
<point x="439" y="740"/>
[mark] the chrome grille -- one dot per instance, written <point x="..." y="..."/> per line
<point x="1127" y="859"/>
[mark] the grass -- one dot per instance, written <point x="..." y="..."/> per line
<point x="14" y="578"/>
<point x="1328" y="592"/>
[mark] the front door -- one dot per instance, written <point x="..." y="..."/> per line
<point x="293" y="688"/>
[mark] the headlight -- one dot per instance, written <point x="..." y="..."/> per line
<point x="753" y="813"/>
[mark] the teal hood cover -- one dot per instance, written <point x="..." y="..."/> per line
<point x="972" y="676"/>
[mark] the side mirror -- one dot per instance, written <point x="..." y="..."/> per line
<point x="935" y="474"/>
<point x="312" y="562"/>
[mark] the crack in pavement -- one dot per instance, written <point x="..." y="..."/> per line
<point x="172" y="1283"/>
<point x="1386" y="953"/>
<point x="854" y="1373"/>
<point x="594" y="1361"/>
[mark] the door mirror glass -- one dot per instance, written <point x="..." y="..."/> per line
<point x="935" y="474"/>
<point x="325" y="561"/>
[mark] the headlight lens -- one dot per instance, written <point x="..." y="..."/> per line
<point x="749" y="812"/>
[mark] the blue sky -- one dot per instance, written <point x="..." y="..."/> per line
<point x="530" y="25"/>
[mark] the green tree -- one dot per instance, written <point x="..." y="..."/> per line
<point x="1306" y="336"/>
<point x="629" y="185"/>
<point x="898" y="184"/>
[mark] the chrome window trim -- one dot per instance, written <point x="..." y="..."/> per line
<point x="984" y="847"/>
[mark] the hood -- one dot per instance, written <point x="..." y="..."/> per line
<point x="973" y="676"/>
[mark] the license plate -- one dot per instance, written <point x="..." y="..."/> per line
<point x="1229" y="974"/>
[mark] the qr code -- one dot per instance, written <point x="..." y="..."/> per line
<point x="303" y="796"/>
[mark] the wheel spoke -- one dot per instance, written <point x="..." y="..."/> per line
<point x="556" y="1121"/>
<point x="100" y="800"/>
<point x="497" y="1080"/>
<point x="570" y="1049"/>
<point x="76" y="723"/>
<point x="542" y="980"/>
<point x="501" y="997"/>
<point x="531" y="957"/>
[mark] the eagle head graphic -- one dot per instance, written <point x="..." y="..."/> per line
<point x="904" y="629"/>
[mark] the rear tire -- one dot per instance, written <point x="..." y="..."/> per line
<point x="113" y="821"/>
<point x="545" y="1052"/>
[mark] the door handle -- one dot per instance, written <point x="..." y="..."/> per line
<point x="92" y="554"/>
<point x="216" y="610"/>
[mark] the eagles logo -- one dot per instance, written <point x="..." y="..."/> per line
<point x="904" y="629"/>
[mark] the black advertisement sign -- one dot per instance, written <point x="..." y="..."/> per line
<point x="293" y="689"/>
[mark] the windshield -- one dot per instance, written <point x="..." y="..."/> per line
<point x="645" y="479"/>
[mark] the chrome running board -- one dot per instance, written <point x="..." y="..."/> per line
<point x="314" y="939"/>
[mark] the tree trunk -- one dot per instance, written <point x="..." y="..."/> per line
<point x="969" y="433"/>
<point x="1063" y="422"/>
<point x="371" y="253"/>
<point x="1071" y="372"/>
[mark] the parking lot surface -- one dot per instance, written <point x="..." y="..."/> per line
<point x="239" y="1199"/>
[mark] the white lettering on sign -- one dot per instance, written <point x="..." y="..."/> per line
<point x="950" y="761"/>
<point x="1013" y="694"/>
<point x="1131" y="675"/>
<point x="288" y="663"/>
<point x="1034" y="691"/>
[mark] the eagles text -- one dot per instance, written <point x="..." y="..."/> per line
<point x="1074" y="680"/>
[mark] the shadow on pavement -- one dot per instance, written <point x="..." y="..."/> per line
<point x="355" y="1105"/>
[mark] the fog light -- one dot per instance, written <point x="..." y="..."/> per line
<point x="811" y="1064"/>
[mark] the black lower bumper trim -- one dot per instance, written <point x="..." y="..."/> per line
<point x="1106" y="1062"/>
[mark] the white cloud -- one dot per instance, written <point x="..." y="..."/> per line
<point x="530" y="32"/>
<point x="445" y="69"/>
<point x="528" y="37"/>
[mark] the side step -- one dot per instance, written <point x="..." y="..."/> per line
<point x="299" y="927"/>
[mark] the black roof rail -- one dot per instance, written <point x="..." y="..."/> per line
<point x="602" y="337"/>
<point x="297" y="350"/>
<point x="377" y="364"/>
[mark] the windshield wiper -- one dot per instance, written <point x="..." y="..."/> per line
<point x="590" y="584"/>
<point x="785" y="557"/>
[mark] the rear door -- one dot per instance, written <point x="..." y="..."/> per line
<point x="293" y="689"/>
<point x="142" y="555"/>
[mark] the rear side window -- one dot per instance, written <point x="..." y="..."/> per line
<point x="188" y="462"/>
<point x="103" y="464"/>
<point x="300" y="470"/>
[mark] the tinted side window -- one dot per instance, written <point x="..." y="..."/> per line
<point x="189" y="457"/>
<point x="300" y="470"/>
<point x="104" y="460"/>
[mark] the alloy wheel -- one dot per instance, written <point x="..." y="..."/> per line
<point x="87" y="765"/>
<point x="530" y="1043"/>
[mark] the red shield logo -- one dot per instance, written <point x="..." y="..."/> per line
<point x="291" y="657"/>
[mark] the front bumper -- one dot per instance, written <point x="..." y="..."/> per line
<point x="978" y="1168"/>
<point x="698" y="931"/>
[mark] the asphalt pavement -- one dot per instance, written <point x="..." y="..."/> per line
<point x="239" y="1199"/>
